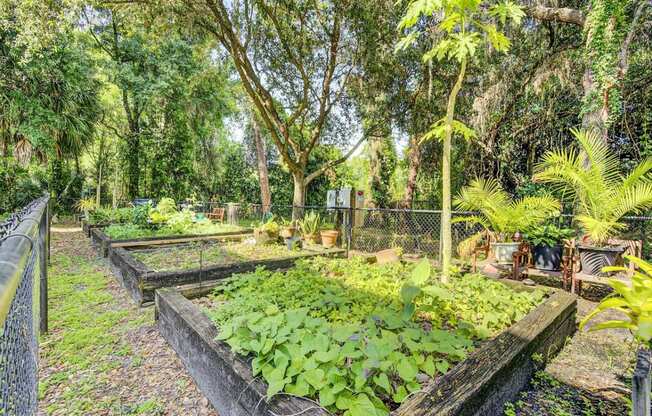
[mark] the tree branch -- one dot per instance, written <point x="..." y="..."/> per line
<point x="330" y="164"/>
<point x="557" y="14"/>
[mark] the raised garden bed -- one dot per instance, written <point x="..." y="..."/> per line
<point x="480" y="384"/>
<point x="104" y="243"/>
<point x="182" y="264"/>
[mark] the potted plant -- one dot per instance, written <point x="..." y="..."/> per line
<point x="502" y="217"/>
<point x="547" y="242"/>
<point x="85" y="206"/>
<point x="309" y="227"/>
<point x="267" y="232"/>
<point x="288" y="229"/>
<point x="329" y="236"/>
<point x="591" y="175"/>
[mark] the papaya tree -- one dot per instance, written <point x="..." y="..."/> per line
<point x="460" y="29"/>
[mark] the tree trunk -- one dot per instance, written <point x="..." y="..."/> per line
<point x="446" y="210"/>
<point x="597" y="118"/>
<point x="133" y="166"/>
<point x="98" y="191"/>
<point x="414" y="162"/>
<point x="299" y="196"/>
<point x="263" y="177"/>
<point x="375" y="181"/>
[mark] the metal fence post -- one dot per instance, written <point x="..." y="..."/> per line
<point x="44" y="258"/>
<point x="641" y="384"/>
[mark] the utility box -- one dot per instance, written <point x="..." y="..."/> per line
<point x="345" y="198"/>
<point x="331" y="199"/>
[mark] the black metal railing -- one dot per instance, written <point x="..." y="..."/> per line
<point x="24" y="246"/>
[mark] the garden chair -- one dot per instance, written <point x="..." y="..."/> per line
<point x="520" y="257"/>
<point x="573" y="272"/>
<point x="217" y="214"/>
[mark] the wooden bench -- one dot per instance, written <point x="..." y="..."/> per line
<point x="217" y="214"/>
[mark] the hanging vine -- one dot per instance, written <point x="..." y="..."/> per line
<point x="605" y="31"/>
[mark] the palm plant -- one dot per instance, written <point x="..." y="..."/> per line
<point x="591" y="176"/>
<point x="498" y="213"/>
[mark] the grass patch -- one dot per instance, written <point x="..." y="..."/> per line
<point x="130" y="231"/>
<point x="84" y="342"/>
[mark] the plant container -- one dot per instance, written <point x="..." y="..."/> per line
<point x="288" y="232"/>
<point x="329" y="238"/>
<point x="504" y="252"/>
<point x="593" y="259"/>
<point x="310" y="238"/>
<point x="547" y="257"/>
<point x="264" y="237"/>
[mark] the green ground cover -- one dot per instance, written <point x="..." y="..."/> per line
<point x="204" y="254"/>
<point x="102" y="354"/>
<point x="129" y="231"/>
<point x="359" y="338"/>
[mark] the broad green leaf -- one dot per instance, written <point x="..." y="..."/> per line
<point x="315" y="378"/>
<point x="421" y="273"/>
<point x="407" y="369"/>
<point x="382" y="381"/>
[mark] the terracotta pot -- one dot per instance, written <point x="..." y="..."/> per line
<point x="504" y="252"/>
<point x="264" y="237"/>
<point x="288" y="232"/>
<point x="329" y="238"/>
<point x="310" y="238"/>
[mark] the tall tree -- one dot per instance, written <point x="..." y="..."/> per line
<point x="465" y="26"/>
<point x="261" y="162"/>
<point x="294" y="61"/>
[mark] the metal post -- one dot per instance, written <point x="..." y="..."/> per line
<point x="641" y="384"/>
<point x="44" y="258"/>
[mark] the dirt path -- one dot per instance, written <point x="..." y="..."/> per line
<point x="104" y="355"/>
<point x="589" y="377"/>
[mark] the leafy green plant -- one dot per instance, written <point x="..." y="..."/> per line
<point x="140" y="215"/>
<point x="549" y="235"/>
<point x="465" y="28"/>
<point x="165" y="208"/>
<point x="499" y="214"/>
<point x="333" y="329"/>
<point x="85" y="205"/>
<point x="591" y="175"/>
<point x="107" y="215"/>
<point x="180" y="222"/>
<point x="635" y="302"/>
<point x="310" y="223"/>
<point x="270" y="227"/>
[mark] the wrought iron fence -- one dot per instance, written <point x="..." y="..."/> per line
<point x="24" y="246"/>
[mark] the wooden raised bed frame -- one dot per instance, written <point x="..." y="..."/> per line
<point x="480" y="385"/>
<point x="104" y="243"/>
<point x="141" y="281"/>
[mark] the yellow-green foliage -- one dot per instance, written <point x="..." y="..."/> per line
<point x="635" y="302"/>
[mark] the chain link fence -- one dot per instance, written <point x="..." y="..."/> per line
<point x="24" y="246"/>
<point x="415" y="231"/>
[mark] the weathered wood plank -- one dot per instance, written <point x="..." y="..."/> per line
<point x="224" y="377"/>
<point x="141" y="281"/>
<point x="495" y="373"/>
<point x="480" y="385"/>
